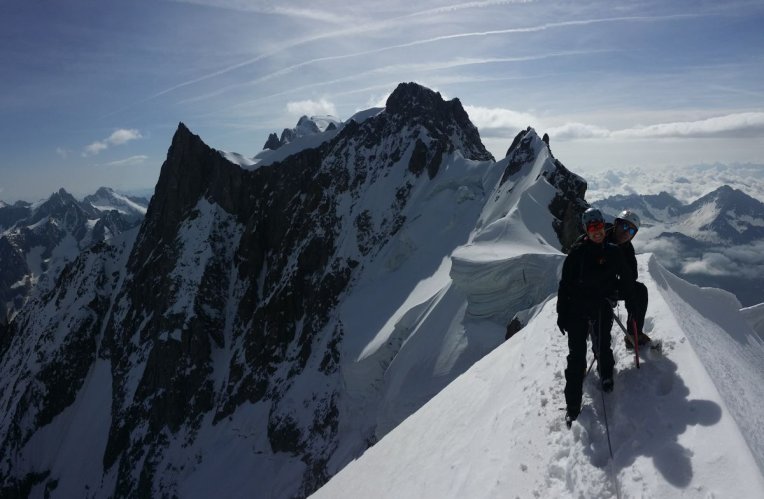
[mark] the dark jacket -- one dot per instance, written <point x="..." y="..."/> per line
<point x="590" y="274"/>
<point x="627" y="249"/>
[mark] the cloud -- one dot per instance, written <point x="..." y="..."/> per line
<point x="712" y="264"/>
<point x="731" y="125"/>
<point x="64" y="153"/>
<point x="311" y="107"/>
<point x="396" y="22"/>
<point x="119" y="137"/>
<point x="494" y="120"/>
<point x="95" y="148"/>
<point x="750" y="124"/>
<point x="740" y="124"/>
<point x="323" y="15"/>
<point x="131" y="161"/>
<point x="122" y="136"/>
<point x="573" y="131"/>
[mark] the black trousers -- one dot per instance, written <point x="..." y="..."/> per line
<point x="636" y="305"/>
<point x="578" y="331"/>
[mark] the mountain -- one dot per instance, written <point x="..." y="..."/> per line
<point x="713" y="241"/>
<point x="267" y="319"/>
<point x="42" y="238"/>
<point x="10" y="214"/>
<point x="686" y="424"/>
<point x="132" y="208"/>
<point x="306" y="126"/>
<point x="725" y="215"/>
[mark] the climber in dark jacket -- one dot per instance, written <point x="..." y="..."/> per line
<point x="623" y="230"/>
<point x="593" y="273"/>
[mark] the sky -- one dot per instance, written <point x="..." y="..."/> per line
<point x="91" y="92"/>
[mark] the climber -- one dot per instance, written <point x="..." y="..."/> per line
<point x="593" y="272"/>
<point x="620" y="233"/>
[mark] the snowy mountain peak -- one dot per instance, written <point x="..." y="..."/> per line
<point x="306" y="126"/>
<point x="107" y="199"/>
<point x="727" y="198"/>
<point x="536" y="183"/>
<point x="62" y="206"/>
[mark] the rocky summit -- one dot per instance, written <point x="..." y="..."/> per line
<point x="227" y="337"/>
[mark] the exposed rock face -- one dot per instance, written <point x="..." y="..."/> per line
<point x="413" y="104"/>
<point x="273" y="142"/>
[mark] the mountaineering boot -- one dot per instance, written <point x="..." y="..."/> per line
<point x="629" y="340"/>
<point x="607" y="385"/>
<point x="570" y="415"/>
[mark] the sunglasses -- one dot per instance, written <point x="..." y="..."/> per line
<point x="595" y="226"/>
<point x="627" y="227"/>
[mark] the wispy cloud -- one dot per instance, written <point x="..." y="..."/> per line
<point x="64" y="153"/>
<point x="497" y="120"/>
<point x="465" y="5"/>
<point x="745" y="124"/>
<point x="405" y="72"/>
<point x="749" y="124"/>
<point x="119" y="137"/>
<point x="365" y="28"/>
<point x="131" y="161"/>
<point x="274" y="9"/>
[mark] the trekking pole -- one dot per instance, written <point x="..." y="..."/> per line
<point x="613" y="475"/>
<point x="623" y="328"/>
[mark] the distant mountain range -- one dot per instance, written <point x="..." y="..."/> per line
<point x="305" y="126"/>
<point x="717" y="240"/>
<point x="38" y="240"/>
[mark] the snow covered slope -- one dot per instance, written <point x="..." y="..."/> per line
<point x="687" y="424"/>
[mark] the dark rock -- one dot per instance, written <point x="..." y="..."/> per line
<point x="273" y="142"/>
<point x="513" y="328"/>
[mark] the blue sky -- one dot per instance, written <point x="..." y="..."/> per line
<point x="92" y="91"/>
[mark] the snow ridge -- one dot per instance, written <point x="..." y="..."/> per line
<point x="498" y="431"/>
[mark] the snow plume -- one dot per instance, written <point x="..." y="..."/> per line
<point x="687" y="423"/>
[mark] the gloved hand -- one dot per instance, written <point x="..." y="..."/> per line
<point x="561" y="324"/>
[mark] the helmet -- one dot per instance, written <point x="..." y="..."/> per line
<point x="592" y="215"/>
<point x="630" y="217"/>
